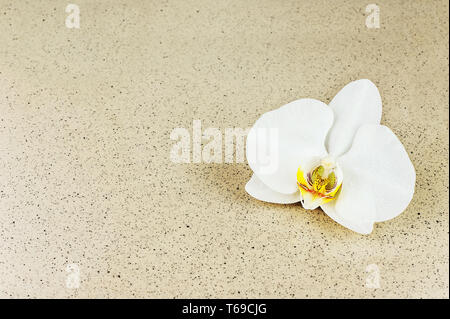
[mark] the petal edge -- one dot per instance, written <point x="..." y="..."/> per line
<point x="356" y="104"/>
<point x="257" y="189"/>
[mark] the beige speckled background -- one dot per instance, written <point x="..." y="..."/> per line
<point x="85" y="175"/>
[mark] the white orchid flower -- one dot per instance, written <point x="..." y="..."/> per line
<point x="335" y="156"/>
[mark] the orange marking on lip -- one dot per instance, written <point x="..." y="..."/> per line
<point x="314" y="192"/>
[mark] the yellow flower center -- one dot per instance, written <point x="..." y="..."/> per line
<point x="320" y="185"/>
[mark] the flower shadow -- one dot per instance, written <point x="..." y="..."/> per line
<point x="227" y="182"/>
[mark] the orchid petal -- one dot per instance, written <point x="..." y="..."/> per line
<point x="297" y="133"/>
<point x="379" y="177"/>
<point x="363" y="228"/>
<point x="256" y="188"/>
<point x="358" y="103"/>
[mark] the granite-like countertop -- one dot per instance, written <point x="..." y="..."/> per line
<point x="85" y="174"/>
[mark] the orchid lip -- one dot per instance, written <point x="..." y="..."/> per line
<point x="320" y="184"/>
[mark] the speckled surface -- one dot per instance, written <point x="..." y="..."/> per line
<point x="85" y="175"/>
